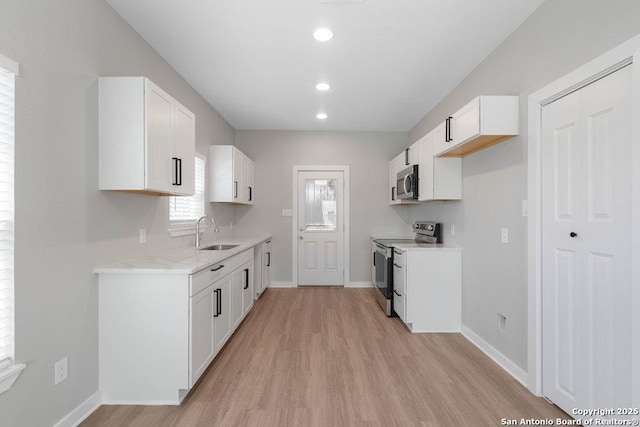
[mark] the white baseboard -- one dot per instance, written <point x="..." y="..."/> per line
<point x="512" y="369"/>
<point x="282" y="285"/>
<point x="292" y="285"/>
<point x="81" y="413"/>
<point x="359" y="285"/>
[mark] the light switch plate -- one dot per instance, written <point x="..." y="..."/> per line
<point x="287" y="212"/>
<point x="504" y="235"/>
<point x="143" y="235"/>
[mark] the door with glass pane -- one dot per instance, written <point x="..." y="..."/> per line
<point x="321" y="228"/>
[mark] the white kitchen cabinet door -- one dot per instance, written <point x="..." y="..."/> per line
<point x="202" y="306"/>
<point x="247" y="287"/>
<point x="237" y="283"/>
<point x="238" y="183"/>
<point x="399" y="288"/>
<point x="184" y="151"/>
<point x="246" y="192"/>
<point x="138" y="151"/>
<point x="222" y="318"/>
<point x="266" y="264"/>
<point x="440" y="178"/>
<point x="159" y="129"/>
<point x="442" y="140"/>
<point x="231" y="175"/>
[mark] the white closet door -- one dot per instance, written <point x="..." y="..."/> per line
<point x="587" y="245"/>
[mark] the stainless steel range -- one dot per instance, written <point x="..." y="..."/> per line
<point x="426" y="233"/>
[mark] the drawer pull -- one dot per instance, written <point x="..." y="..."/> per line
<point x="396" y="292"/>
<point x="396" y="265"/>
<point x="221" y="266"/>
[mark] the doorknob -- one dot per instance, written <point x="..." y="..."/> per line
<point x="572" y="234"/>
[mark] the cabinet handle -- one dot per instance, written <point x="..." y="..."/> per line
<point x="246" y="278"/>
<point x="447" y="132"/>
<point x="374" y="259"/>
<point x="180" y="173"/>
<point x="235" y="189"/>
<point x="395" y="292"/>
<point x="268" y="259"/>
<point x="175" y="171"/>
<point x="250" y="194"/>
<point x="406" y="157"/>
<point x="393" y="193"/>
<point x="218" y="302"/>
<point x="221" y="266"/>
<point x="396" y="265"/>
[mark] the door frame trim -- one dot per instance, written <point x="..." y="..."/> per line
<point x="346" y="216"/>
<point x="626" y="53"/>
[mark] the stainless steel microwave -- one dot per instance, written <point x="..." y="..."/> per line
<point x="407" y="183"/>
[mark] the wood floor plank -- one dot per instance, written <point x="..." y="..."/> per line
<point x="330" y="357"/>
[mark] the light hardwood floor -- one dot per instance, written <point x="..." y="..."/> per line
<point x="329" y="357"/>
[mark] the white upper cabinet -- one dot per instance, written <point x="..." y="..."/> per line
<point x="231" y="175"/>
<point x="439" y="178"/>
<point x="485" y="121"/>
<point x="147" y="139"/>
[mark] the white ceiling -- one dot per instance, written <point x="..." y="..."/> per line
<point x="389" y="62"/>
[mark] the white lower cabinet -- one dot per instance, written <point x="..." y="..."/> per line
<point x="158" y="332"/>
<point x="427" y="288"/>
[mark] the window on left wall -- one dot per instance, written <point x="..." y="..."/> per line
<point x="185" y="211"/>
<point x="9" y="370"/>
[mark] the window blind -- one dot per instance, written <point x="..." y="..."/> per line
<point x="7" y="110"/>
<point x="190" y="208"/>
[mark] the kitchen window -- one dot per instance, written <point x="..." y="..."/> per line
<point x="9" y="371"/>
<point x="185" y="211"/>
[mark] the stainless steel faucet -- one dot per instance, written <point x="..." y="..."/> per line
<point x="199" y="234"/>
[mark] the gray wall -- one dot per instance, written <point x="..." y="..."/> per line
<point x="559" y="37"/>
<point x="64" y="225"/>
<point x="367" y="154"/>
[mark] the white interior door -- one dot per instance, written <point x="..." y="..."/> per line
<point x="320" y="228"/>
<point x="586" y="245"/>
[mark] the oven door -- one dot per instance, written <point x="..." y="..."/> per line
<point x="383" y="264"/>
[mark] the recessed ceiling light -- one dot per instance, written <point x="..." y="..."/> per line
<point x="321" y="116"/>
<point x="323" y="34"/>
<point x="323" y="86"/>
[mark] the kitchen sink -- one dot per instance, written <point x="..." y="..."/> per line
<point x="219" y="247"/>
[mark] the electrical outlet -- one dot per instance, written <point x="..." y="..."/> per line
<point x="60" y="370"/>
<point x="504" y="235"/>
<point x="453" y="229"/>
<point x="143" y="235"/>
<point x="502" y="323"/>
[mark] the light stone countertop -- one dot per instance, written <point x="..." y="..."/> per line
<point x="426" y="247"/>
<point x="187" y="260"/>
<point x="418" y="246"/>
